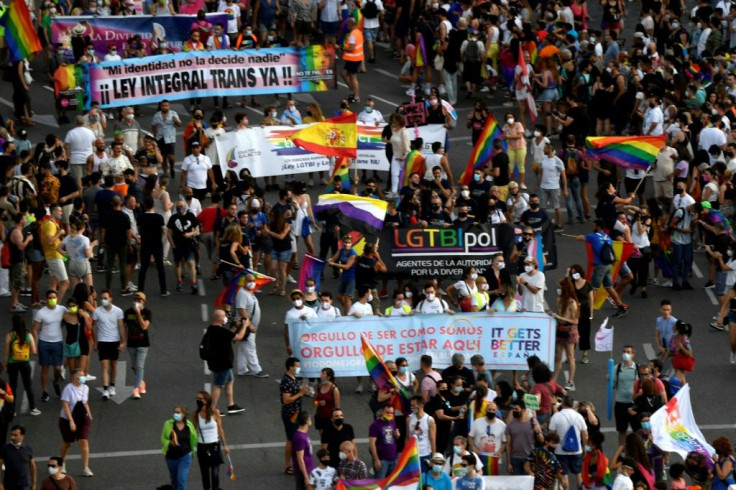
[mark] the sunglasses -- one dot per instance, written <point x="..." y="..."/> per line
<point x="464" y="465"/>
<point x="527" y="234"/>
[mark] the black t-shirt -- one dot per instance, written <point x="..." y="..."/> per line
<point x="333" y="438"/>
<point x="221" y="340"/>
<point x="535" y="219"/>
<point x="17" y="467"/>
<point x="396" y="218"/>
<point x="501" y="161"/>
<point x="478" y="189"/>
<point x="365" y="274"/>
<point x="116" y="227"/>
<point x="438" y="219"/>
<point x="103" y="201"/>
<point x="179" y="224"/>
<point x="137" y="337"/>
<point x="68" y="184"/>
<point x="150" y="227"/>
<point x="578" y="126"/>
<point x="470" y="203"/>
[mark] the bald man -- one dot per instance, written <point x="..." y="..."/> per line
<point x="350" y="467"/>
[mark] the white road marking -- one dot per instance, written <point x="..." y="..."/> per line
<point x="200" y="283"/>
<point x="460" y="138"/>
<point x="385" y="72"/>
<point x="205" y="313"/>
<point x="709" y="293"/>
<point x="207" y="371"/>
<point x="122" y="391"/>
<point x="696" y="271"/>
<point x="649" y="352"/>
<point x="385" y="101"/>
<point x="45" y="119"/>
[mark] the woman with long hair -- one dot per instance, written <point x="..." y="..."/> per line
<point x="210" y="441"/>
<point x="635" y="449"/>
<point x="76" y="322"/>
<point x="163" y="206"/>
<point x="585" y="297"/>
<point x="178" y="442"/>
<point x="231" y="251"/>
<point x="304" y="222"/>
<point x="86" y="299"/>
<point x="567" y="315"/>
<point x="327" y="399"/>
<point x="78" y="248"/>
<point x="279" y="231"/>
<point x="548" y="81"/>
<point x="19" y="347"/>
<point x="506" y="300"/>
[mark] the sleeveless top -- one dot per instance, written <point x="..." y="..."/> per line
<point x="98" y="161"/>
<point x="16" y="254"/>
<point x="325" y="411"/>
<point x="207" y="430"/>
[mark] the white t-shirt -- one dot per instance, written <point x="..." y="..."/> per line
<point x="365" y="309"/>
<point x="72" y="395"/>
<point x="295" y="314"/>
<point x="375" y="115"/>
<point x="552" y="168"/>
<point x="249" y="302"/>
<point x="711" y="136"/>
<point x="623" y="482"/>
<point x="529" y="300"/>
<point x="488" y="445"/>
<point x="538" y="149"/>
<point x="372" y="23"/>
<point x="463" y="289"/>
<point x="731" y="275"/>
<point x="561" y="422"/>
<point x="107" y="323"/>
<point x="323" y="479"/>
<point x="76" y="247"/>
<point x="653" y="115"/>
<point x="50" y="320"/>
<point x="80" y="141"/>
<point x="196" y="168"/>
<point x="332" y="312"/>
<point x="233" y="13"/>
<point x="432" y="307"/>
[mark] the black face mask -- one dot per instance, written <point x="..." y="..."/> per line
<point x="678" y="190"/>
<point x="435" y="207"/>
<point x="338" y="422"/>
<point x="652" y="105"/>
<point x="394" y="373"/>
<point x="200" y="404"/>
<point x="517" y="414"/>
<point x="461" y="214"/>
<point x="491" y="415"/>
<point x="197" y="117"/>
<point x="534" y="205"/>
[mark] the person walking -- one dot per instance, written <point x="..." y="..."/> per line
<point x="249" y="311"/>
<point x="571" y="425"/>
<point x="49" y="339"/>
<point x="164" y="125"/>
<point x="292" y="392"/>
<point x="19" y="347"/>
<point x="56" y="479"/>
<point x="109" y="333"/>
<point x="354" y="58"/>
<point x="116" y="235"/>
<point x="75" y="419"/>
<point x="219" y="340"/>
<point x="137" y="321"/>
<point x="210" y="442"/>
<point x="152" y="229"/>
<point x="178" y="442"/>
<point x="16" y="459"/>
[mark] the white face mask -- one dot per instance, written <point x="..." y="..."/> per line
<point x="343" y="456"/>
<point x="430" y="297"/>
<point x="501" y="265"/>
<point x="474" y="276"/>
<point x="310" y="289"/>
<point x="130" y="117"/>
<point x="370" y="298"/>
<point x="326" y="305"/>
<point x="537" y="134"/>
<point x="105" y="302"/>
<point x="484" y="286"/>
<point x="298" y="303"/>
<point x="510" y="121"/>
<point x="137" y="305"/>
<point x="559" y="291"/>
<point x="53" y="471"/>
<point x="251" y="285"/>
<point x="575" y="275"/>
<point x="528" y="268"/>
<point x="465" y="194"/>
<point x="408" y="294"/>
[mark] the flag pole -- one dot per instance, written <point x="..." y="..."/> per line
<point x="641" y="181"/>
<point x="355" y="173"/>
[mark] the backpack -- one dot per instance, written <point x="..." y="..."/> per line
<point x="606" y="254"/>
<point x="19" y="352"/>
<point x="618" y="372"/>
<point x="570" y="441"/>
<point x="571" y="163"/>
<point x="370" y="10"/>
<point x="205" y="347"/>
<point x="472" y="51"/>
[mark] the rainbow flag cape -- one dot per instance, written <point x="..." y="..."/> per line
<point x="414" y="163"/>
<point x="634" y="152"/>
<point x="622" y="251"/>
<point x="483" y="150"/>
<point x="20" y="35"/>
<point x="407" y="471"/>
<point x="714" y="217"/>
<point x="311" y="267"/>
<point x="342" y="168"/>
<point x="337" y="137"/>
<point x="382" y="377"/>
<point x="355" y="213"/>
<point x="227" y="295"/>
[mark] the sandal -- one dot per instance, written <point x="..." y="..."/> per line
<point x="273" y="292"/>
<point x="289" y="470"/>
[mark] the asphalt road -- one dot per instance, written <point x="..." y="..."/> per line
<point x="125" y="436"/>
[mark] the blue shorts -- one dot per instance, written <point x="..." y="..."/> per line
<point x="329" y="28"/>
<point x="50" y="353"/>
<point x="571" y="463"/>
<point x="721" y="287"/>
<point x="222" y="378"/>
<point x="346" y="287"/>
<point x="289" y="426"/>
<point x="370" y="34"/>
<point x="602" y="274"/>
<point x="183" y="254"/>
<point x="732" y="317"/>
<point x="284" y="256"/>
<point x="624" y="270"/>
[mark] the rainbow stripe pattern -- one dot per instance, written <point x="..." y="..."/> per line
<point x="414" y="164"/>
<point x="227" y="295"/>
<point x="483" y="150"/>
<point x="20" y="34"/>
<point x="407" y="471"/>
<point x="634" y="152"/>
<point x="342" y="170"/>
<point x="382" y="377"/>
<point x="622" y="251"/>
<point x="320" y="59"/>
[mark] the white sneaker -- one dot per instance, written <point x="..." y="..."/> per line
<point x="4" y="294"/>
<point x="359" y="389"/>
<point x="106" y="395"/>
<point x="90" y="377"/>
<point x="112" y="391"/>
<point x="290" y="279"/>
<point x="733" y="357"/>
<point x="310" y="392"/>
<point x="485" y="89"/>
<point x="442" y="90"/>
<point x="132" y="287"/>
<point x="36" y="411"/>
<point x="87" y="472"/>
<point x="410" y="92"/>
<point x="570" y="386"/>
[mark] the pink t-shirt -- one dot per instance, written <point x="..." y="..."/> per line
<point x="516" y="130"/>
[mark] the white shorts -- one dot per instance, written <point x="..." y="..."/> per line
<point x="57" y="269"/>
<point x="79" y="268"/>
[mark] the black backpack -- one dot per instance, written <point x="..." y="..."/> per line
<point x="606" y="254"/>
<point x="472" y="51"/>
<point x="370" y="10"/>
<point x="205" y="347"/>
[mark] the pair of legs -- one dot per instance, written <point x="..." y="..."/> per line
<point x="59" y="279"/>
<point x="83" y="451"/>
<point x="569" y="350"/>
<point x="109" y="371"/>
<point x="350" y="75"/>
<point x="682" y="260"/>
<point x="517" y="158"/>
<point x="279" y="270"/>
<point x="188" y="259"/>
<point x="121" y="253"/>
<point x="49" y="355"/>
<point x="223" y="379"/>
<point x="155" y="250"/>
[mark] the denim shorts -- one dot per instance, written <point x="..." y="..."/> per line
<point x="329" y="28"/>
<point x="721" y="287"/>
<point x="624" y="270"/>
<point x="601" y="274"/>
<point x="222" y="378"/>
<point x="346" y="287"/>
<point x="370" y="34"/>
<point x="284" y="256"/>
<point x="50" y="353"/>
<point x="571" y="463"/>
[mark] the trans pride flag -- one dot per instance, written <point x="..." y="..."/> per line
<point x="407" y="471"/>
<point x="633" y="152"/>
<point x="227" y="295"/>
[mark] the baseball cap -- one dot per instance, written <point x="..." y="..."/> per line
<point x="140" y="295"/>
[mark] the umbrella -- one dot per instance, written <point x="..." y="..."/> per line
<point x="549" y="51"/>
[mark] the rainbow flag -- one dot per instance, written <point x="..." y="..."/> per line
<point x="407" y="471"/>
<point x="20" y="35"/>
<point x="337" y="137"/>
<point x="622" y="251"/>
<point x="227" y="295"/>
<point x="415" y="162"/>
<point x="355" y="213"/>
<point x="634" y="152"/>
<point x="483" y="150"/>
<point x="382" y="377"/>
<point x="230" y="469"/>
<point x="342" y="169"/>
<point x="311" y="267"/>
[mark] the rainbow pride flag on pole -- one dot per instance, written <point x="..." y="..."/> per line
<point x="342" y="169"/>
<point x="415" y="162"/>
<point x="483" y="150"/>
<point x="311" y="267"/>
<point x="227" y="295"/>
<point x="622" y="251"/>
<point x="20" y="35"/>
<point x="407" y="471"/>
<point x="382" y="377"/>
<point x="336" y="137"/>
<point x="634" y="152"/>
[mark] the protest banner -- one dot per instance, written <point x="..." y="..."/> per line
<point x="674" y="428"/>
<point x="413" y="114"/>
<point x="505" y="340"/>
<point x="525" y="482"/>
<point x="213" y="73"/>
<point x="270" y="151"/>
<point x="112" y="30"/>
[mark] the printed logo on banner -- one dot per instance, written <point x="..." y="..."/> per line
<point x="430" y="242"/>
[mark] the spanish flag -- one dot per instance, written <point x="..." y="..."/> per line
<point x="336" y="137"/>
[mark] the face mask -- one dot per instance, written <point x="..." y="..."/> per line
<point x="408" y="294"/>
<point x="297" y="371"/>
<point x="388" y="417"/>
<point x="592" y="39"/>
<point x="250" y="285"/>
<point x="491" y="415"/>
<point x="137" y="305"/>
<point x="325" y="462"/>
<point x="274" y="114"/>
<point x="457" y="449"/>
<point x="608" y="69"/>
<point x="474" y="276"/>
<point x="675" y="25"/>
<point x="706" y="178"/>
<point x="652" y="105"/>
<point x="325" y="305"/>
<point x="433" y="102"/>
<point x="476" y="177"/>
<point x="626" y="356"/>
<point x="534" y="205"/>
<point x="537" y="134"/>
<point x="200" y="404"/>
<point x="53" y="471"/>
<point x="435" y="207"/>
<point x="270" y="38"/>
<point x="576" y="275"/>
<point x="517" y="414"/>
<point x="678" y="190"/>
<point x="105" y="303"/>
<point x="90" y="52"/>
<point x="51" y="302"/>
<point x="369" y="109"/>
<point x="181" y="210"/>
<point x="310" y="289"/>
<point x="130" y="117"/>
<point x="414" y="410"/>
<point x="462" y="214"/>
<point x="403" y="370"/>
<point x="510" y="121"/>
<point x="484" y="287"/>
<point x="370" y="298"/>
<point x="343" y="456"/>
<point x="82" y="379"/>
<point x="528" y="269"/>
<point x="646" y="425"/>
<point x="73" y="310"/>
<point x="437" y="468"/>
<point x="178" y="417"/>
<point x="430" y="297"/>
<point x="465" y="193"/>
<point x="462" y="471"/>
<point x="588" y="449"/>
<point x="298" y="303"/>
<point x="559" y="291"/>
<point x="458" y="389"/>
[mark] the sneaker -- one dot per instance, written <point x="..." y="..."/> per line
<point x="180" y="287"/>
<point x="4" y="294"/>
<point x="19" y="308"/>
<point x="112" y="391"/>
<point x="410" y="92"/>
<point x="35" y="412"/>
<point x="687" y="286"/>
<point x="585" y="359"/>
<point x="57" y="389"/>
<point x="143" y="388"/>
<point x="654" y="281"/>
<point x="261" y="374"/>
<point x="666" y="283"/>
<point x="195" y="289"/>
<point x="523" y="185"/>
<point x="570" y="386"/>
<point x="485" y="89"/>
<point x="733" y="357"/>
<point x="717" y="326"/>
<point x="644" y="294"/>
<point x="709" y="284"/>
<point x="45" y="396"/>
<point x="310" y="392"/>
<point x="87" y="472"/>
<point x="558" y="229"/>
<point x="620" y="312"/>
<point x="105" y="395"/>
<point x="127" y="292"/>
<point x="132" y="287"/>
<point x="290" y="279"/>
<point x="165" y="293"/>
<point x="233" y="409"/>
<point x="90" y="377"/>
<point x="359" y="389"/>
<point x="442" y="90"/>
<point x="136" y="394"/>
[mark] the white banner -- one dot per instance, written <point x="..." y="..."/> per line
<point x="674" y="428"/>
<point x="525" y="482"/>
<point x="269" y="151"/>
